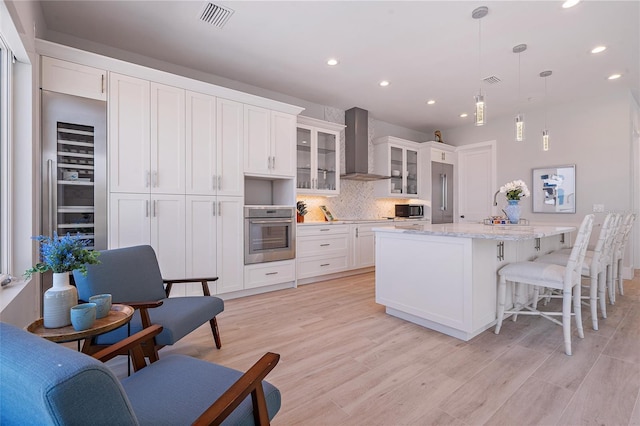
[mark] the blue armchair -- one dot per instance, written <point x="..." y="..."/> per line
<point x="132" y="276"/>
<point x="44" y="383"/>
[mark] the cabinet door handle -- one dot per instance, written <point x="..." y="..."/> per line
<point x="273" y="162"/>
<point x="356" y="232"/>
<point x="219" y="208"/>
<point x="325" y="264"/>
<point x="154" y="179"/>
<point x="51" y="176"/>
<point x="219" y="182"/>
<point x="155" y="208"/>
<point x="326" y="229"/>
<point x="214" y="183"/>
<point x="271" y="273"/>
<point x="213" y="204"/>
<point x="325" y="245"/>
<point x="147" y="178"/>
<point x="146" y="210"/>
<point x="102" y="83"/>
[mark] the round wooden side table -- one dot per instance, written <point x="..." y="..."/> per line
<point x="118" y="316"/>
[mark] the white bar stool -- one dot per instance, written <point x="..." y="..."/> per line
<point x="566" y="278"/>
<point x="594" y="266"/>
<point x="619" y="246"/>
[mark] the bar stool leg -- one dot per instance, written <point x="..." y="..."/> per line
<point x="566" y="320"/>
<point x="593" y="301"/>
<point x="502" y="290"/>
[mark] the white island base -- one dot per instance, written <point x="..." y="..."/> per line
<point x="444" y="277"/>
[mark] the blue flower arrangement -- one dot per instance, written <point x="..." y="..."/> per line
<point x="63" y="254"/>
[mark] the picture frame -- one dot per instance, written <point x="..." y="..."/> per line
<point x="554" y="189"/>
<point x="327" y="214"/>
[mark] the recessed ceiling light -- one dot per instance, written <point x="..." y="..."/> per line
<point x="384" y="83"/>
<point x="598" y="49"/>
<point x="464" y="115"/>
<point x="431" y="102"/>
<point x="614" y="76"/>
<point x="569" y="3"/>
<point x="332" y="62"/>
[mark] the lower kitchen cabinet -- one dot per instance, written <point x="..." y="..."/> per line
<point x="157" y="220"/>
<point x="193" y="236"/>
<point x="214" y="243"/>
<point x="270" y="273"/>
<point x="363" y="252"/>
<point x="321" y="250"/>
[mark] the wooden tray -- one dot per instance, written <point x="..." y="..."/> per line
<point x="118" y="316"/>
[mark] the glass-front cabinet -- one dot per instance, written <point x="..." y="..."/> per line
<point x="318" y="156"/>
<point x="397" y="158"/>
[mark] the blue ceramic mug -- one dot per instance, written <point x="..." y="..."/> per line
<point x="83" y="316"/>
<point x="103" y="304"/>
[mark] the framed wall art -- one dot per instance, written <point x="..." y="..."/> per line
<point x="554" y="189"/>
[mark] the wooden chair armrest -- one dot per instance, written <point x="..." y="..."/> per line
<point x="144" y="305"/>
<point x="144" y="313"/>
<point x="249" y="383"/>
<point x="133" y="344"/>
<point x="189" y="280"/>
<point x="203" y="281"/>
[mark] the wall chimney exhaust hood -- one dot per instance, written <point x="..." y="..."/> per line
<point x="356" y="142"/>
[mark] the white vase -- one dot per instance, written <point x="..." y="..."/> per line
<point x="58" y="301"/>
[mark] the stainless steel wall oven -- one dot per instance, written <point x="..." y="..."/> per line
<point x="269" y="234"/>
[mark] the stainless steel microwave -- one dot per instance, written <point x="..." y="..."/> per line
<point x="409" y="210"/>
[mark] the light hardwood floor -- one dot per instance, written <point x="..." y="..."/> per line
<point x="345" y="362"/>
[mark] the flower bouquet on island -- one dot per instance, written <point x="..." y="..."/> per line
<point x="515" y="190"/>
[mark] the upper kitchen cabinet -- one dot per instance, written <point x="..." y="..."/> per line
<point x="399" y="159"/>
<point x="269" y="142"/>
<point x="318" y="156"/>
<point x="129" y="134"/>
<point x="73" y="79"/>
<point x="146" y="136"/>
<point x="213" y="145"/>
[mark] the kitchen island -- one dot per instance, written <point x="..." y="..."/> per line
<point x="444" y="277"/>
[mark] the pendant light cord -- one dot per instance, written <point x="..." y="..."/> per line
<point x="480" y="54"/>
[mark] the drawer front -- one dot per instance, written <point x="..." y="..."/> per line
<point x="322" y="245"/>
<point x="305" y="230"/>
<point x="315" y="266"/>
<point x="269" y="273"/>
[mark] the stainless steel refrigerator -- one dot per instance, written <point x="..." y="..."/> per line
<point x="441" y="192"/>
<point x="74" y="187"/>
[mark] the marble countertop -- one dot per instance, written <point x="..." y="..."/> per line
<point x="378" y="220"/>
<point x="480" y="231"/>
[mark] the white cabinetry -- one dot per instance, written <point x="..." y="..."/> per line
<point x="73" y="79"/>
<point x="270" y="273"/>
<point x="146" y="136"/>
<point x="318" y="156"/>
<point x="399" y="159"/>
<point x="129" y="134"/>
<point x="269" y="142"/>
<point x="213" y="242"/>
<point x="322" y="249"/>
<point x="167" y="167"/>
<point x="155" y="219"/>
<point x="213" y="145"/>
<point x="363" y="245"/>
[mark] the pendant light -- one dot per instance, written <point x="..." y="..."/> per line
<point x="545" y="131"/>
<point x="480" y="109"/>
<point x="519" y="116"/>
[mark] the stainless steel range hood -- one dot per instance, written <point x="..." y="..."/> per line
<point x="356" y="153"/>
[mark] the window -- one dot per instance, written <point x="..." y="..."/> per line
<point x="6" y="60"/>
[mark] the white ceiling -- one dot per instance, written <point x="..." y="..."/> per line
<point x="426" y="49"/>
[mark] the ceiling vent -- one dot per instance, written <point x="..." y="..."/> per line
<point x="216" y="15"/>
<point x="491" y="79"/>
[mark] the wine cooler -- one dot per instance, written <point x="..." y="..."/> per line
<point x="74" y="167"/>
